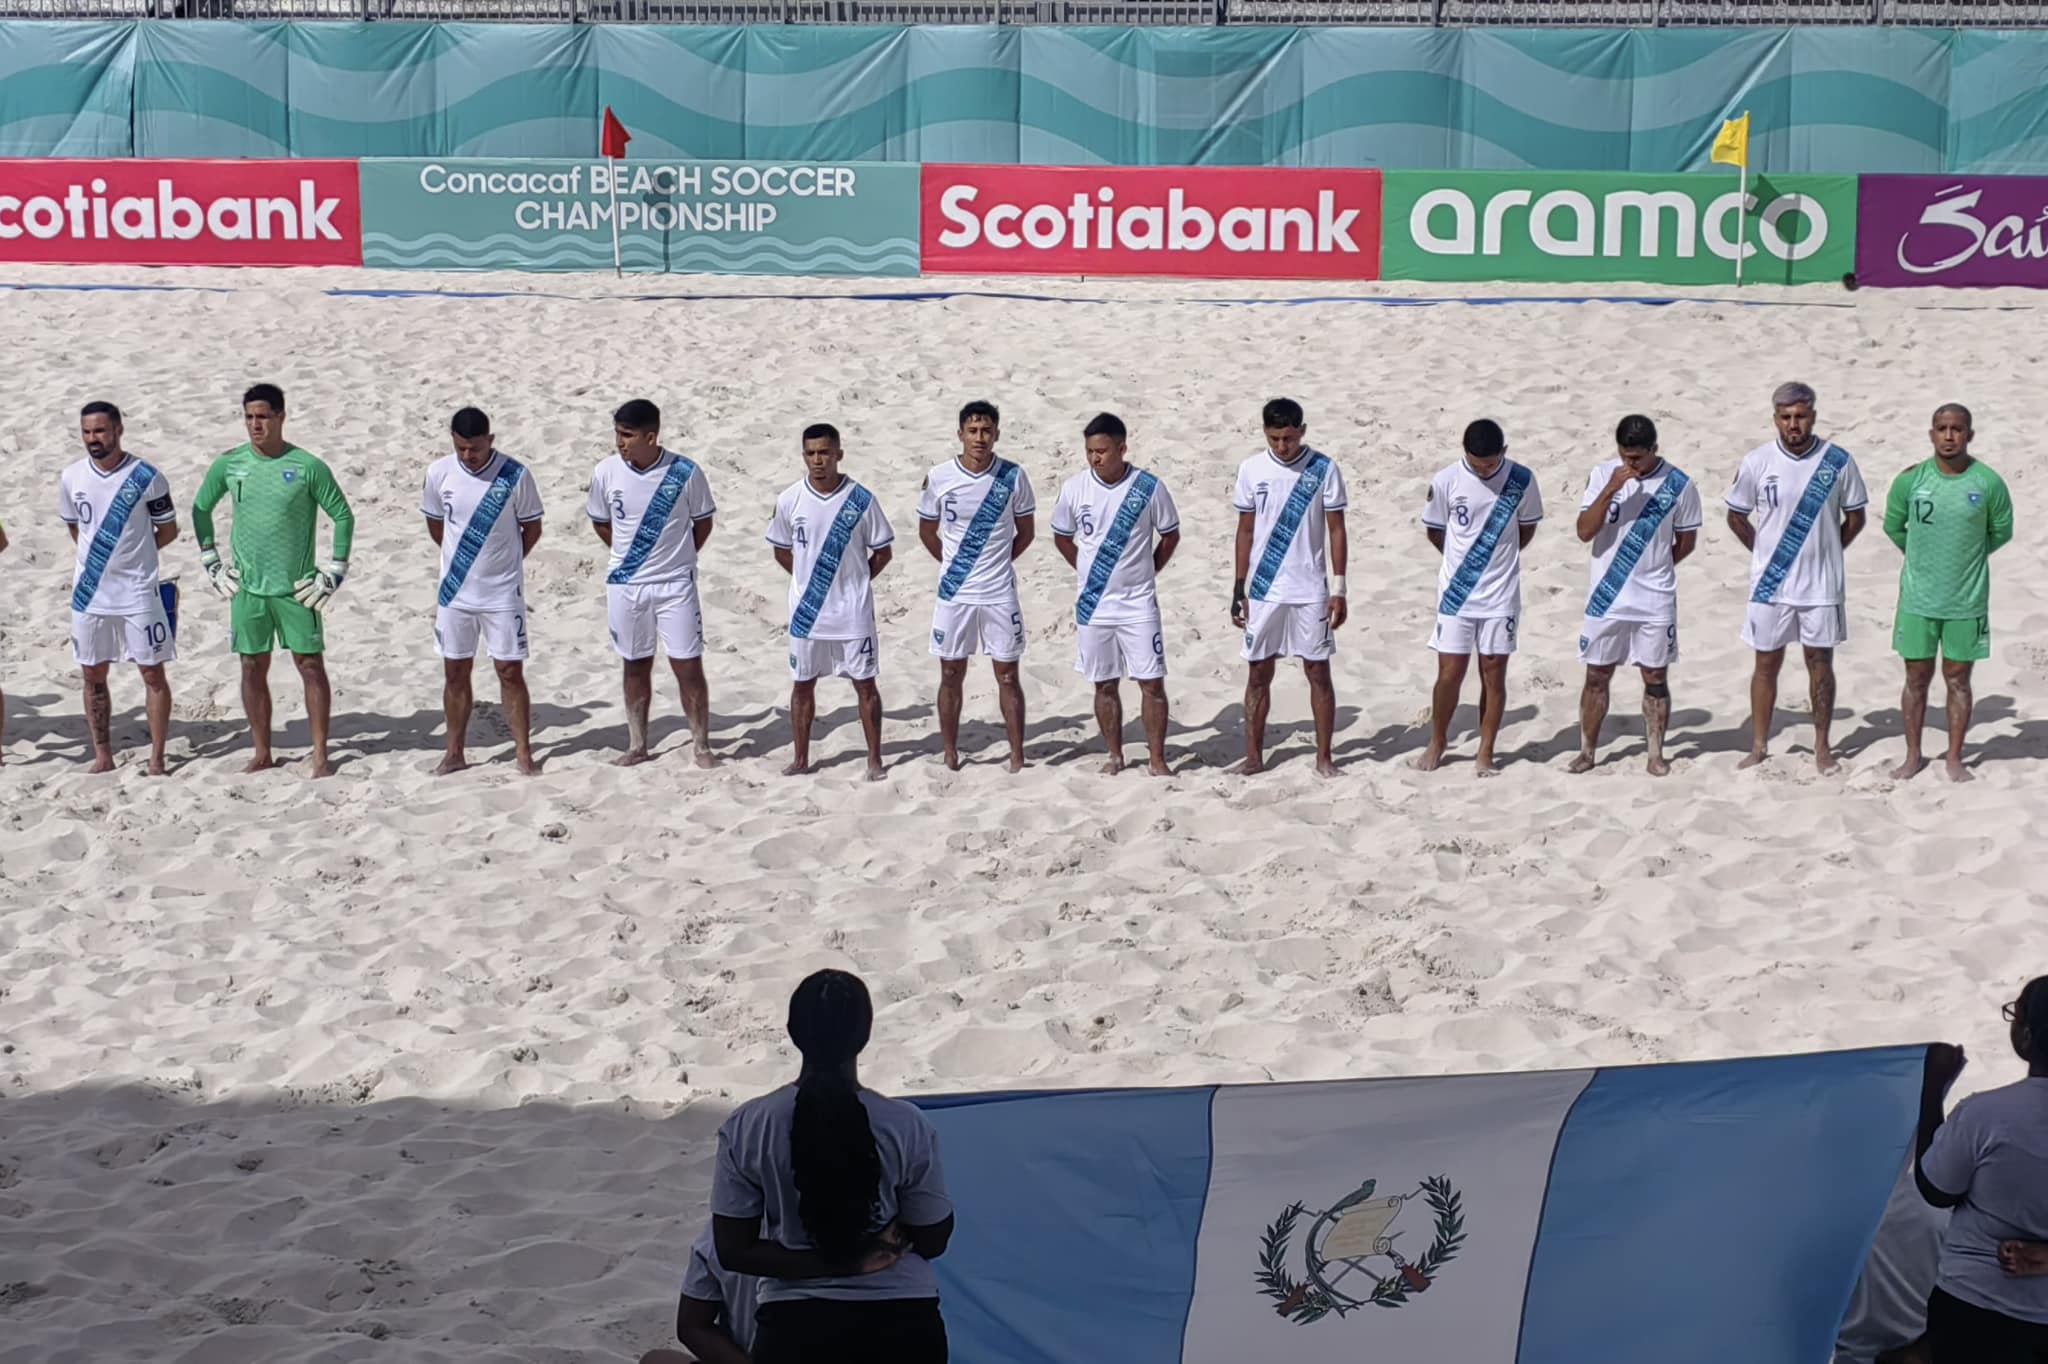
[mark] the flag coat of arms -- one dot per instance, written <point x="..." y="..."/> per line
<point x="1688" y="1214"/>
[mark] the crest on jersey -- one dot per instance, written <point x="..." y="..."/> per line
<point x="1348" y="1258"/>
<point x="291" y="475"/>
<point x="938" y="636"/>
<point x="1975" y="498"/>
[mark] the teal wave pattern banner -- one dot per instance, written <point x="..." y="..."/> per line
<point x="1833" y="100"/>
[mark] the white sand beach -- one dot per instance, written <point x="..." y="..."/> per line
<point x="390" y="1067"/>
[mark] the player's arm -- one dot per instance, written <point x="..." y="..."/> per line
<point x="1340" y="554"/>
<point x="435" y="526"/>
<point x="928" y="536"/>
<point x="878" y="561"/>
<point x="1745" y="532"/>
<point x="699" y="1331"/>
<point x="700" y="528"/>
<point x="783" y="557"/>
<point x="603" y="529"/>
<point x="3" y="539"/>
<point x="1998" y="525"/>
<point x="529" y="536"/>
<point x="1683" y="543"/>
<point x="1939" y="1071"/>
<point x="1528" y="530"/>
<point x="1064" y="543"/>
<point x="328" y="494"/>
<point x="1241" y="566"/>
<point x="931" y="1241"/>
<point x="1169" y="541"/>
<point x="166" y="531"/>
<point x="1595" y="512"/>
<point x="1852" y="525"/>
<point x="1897" y="504"/>
<point x="212" y="489"/>
<point x="743" y="1250"/>
<point x="1436" y="536"/>
<point x="1027" y="530"/>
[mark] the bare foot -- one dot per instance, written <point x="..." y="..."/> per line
<point x="1430" y="760"/>
<point x="262" y="762"/>
<point x="1326" y="768"/>
<point x="103" y="763"/>
<point x="952" y="761"/>
<point x="1114" y="765"/>
<point x="454" y="762"/>
<point x="1582" y="763"/>
<point x="1250" y="767"/>
<point x="631" y="758"/>
<point x="876" y="772"/>
<point x="1957" y="772"/>
<point x="704" y="758"/>
<point x="1825" y="764"/>
<point x="528" y="766"/>
<point x="156" y="767"/>
<point x="1017" y="764"/>
<point x="1659" y="767"/>
<point x="1756" y="756"/>
<point x="1909" y="769"/>
<point x="1483" y="767"/>
<point x="1158" y="768"/>
<point x="322" y="768"/>
<point x="798" y="770"/>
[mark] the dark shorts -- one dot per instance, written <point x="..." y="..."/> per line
<point x="1963" y="1333"/>
<point x="829" y="1331"/>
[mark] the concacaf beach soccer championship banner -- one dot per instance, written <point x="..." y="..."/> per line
<point x="1681" y="1214"/>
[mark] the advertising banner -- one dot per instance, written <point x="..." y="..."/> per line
<point x="1658" y="229"/>
<point x="180" y="212"/>
<point x="714" y="217"/>
<point x="1201" y="222"/>
<point x="1953" y="230"/>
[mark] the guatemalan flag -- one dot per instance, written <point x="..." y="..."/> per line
<point x="1711" y="1213"/>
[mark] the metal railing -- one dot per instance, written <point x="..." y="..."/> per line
<point x="1422" y="13"/>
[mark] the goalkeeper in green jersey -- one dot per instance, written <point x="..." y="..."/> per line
<point x="274" y="590"/>
<point x="1948" y="514"/>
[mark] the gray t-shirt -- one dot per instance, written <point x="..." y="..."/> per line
<point x="1889" y="1307"/>
<point x="753" y="1180"/>
<point x="706" y="1280"/>
<point x="1993" y="1152"/>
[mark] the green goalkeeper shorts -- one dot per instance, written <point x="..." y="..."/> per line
<point x="262" y="623"/>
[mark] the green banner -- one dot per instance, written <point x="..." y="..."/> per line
<point x="1656" y="229"/>
<point x="713" y="217"/>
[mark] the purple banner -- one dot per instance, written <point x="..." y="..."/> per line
<point x="1955" y="231"/>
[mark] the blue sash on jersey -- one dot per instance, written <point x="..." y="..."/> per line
<point x="1111" y="550"/>
<point x="108" y="536"/>
<point x="1630" y="551"/>
<point x="1282" y="539"/>
<point x="653" y="522"/>
<point x="979" y="529"/>
<point x="826" y="567"/>
<point x="481" y="522"/>
<point x="1481" y="553"/>
<point x="1800" y="526"/>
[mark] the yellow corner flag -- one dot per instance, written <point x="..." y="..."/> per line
<point x="1731" y="148"/>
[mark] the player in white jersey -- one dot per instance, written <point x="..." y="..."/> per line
<point x="1480" y="513"/>
<point x="119" y="512"/>
<point x="1808" y="497"/>
<point x="654" y="508"/>
<point x="714" y="1312"/>
<point x="483" y="510"/>
<point x="1642" y="517"/>
<point x="1290" y="504"/>
<point x="975" y="514"/>
<point x="1105" y="524"/>
<point x="831" y="537"/>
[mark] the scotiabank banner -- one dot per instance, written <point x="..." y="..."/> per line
<point x="1200" y="221"/>
<point x="146" y="212"/>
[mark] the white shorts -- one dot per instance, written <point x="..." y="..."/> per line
<point x="963" y="629"/>
<point x="503" y="633"/>
<point x="1493" y="636"/>
<point x="811" y="659"/>
<point x="643" y="615"/>
<point x="144" y="637"/>
<point x="1287" y="629"/>
<point x="1135" y="649"/>
<point x="1768" y="627"/>
<point x="1608" y="643"/>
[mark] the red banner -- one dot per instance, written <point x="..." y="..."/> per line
<point x="1205" y="222"/>
<point x="181" y="212"/>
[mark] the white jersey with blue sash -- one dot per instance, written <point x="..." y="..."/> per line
<point x="977" y="519"/>
<point x="1796" y="503"/>
<point x="652" y="513"/>
<point x="482" y="566"/>
<point x="1634" y="576"/>
<point x="1290" y="533"/>
<point x="1114" y="527"/>
<point x="829" y="539"/>
<point x="116" y="515"/>
<point x="1481" y="519"/>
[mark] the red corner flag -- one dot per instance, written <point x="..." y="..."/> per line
<point x="612" y="142"/>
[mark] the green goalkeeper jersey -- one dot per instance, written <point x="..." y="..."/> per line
<point x="277" y="504"/>
<point x="1948" y="524"/>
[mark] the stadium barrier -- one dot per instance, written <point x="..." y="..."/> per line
<point x="891" y="219"/>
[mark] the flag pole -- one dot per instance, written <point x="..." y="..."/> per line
<point x="1741" y="216"/>
<point x="619" y="269"/>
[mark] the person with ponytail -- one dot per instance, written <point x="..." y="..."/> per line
<point x="834" y="1196"/>
<point x="1988" y="1160"/>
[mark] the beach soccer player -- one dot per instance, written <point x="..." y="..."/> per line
<point x="714" y="1312"/>
<point x="274" y="592"/>
<point x="1948" y="513"/>
<point x="975" y="516"/>
<point x="831" y="537"/>
<point x="1641" y="514"/>
<point x="1480" y="513"/>
<point x="1290" y="503"/>
<point x="483" y="510"/>
<point x="118" y="510"/>
<point x="1117" y="526"/>
<point x="1808" y="499"/>
<point x="654" y="509"/>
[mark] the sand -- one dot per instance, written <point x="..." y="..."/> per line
<point x="394" y="1067"/>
